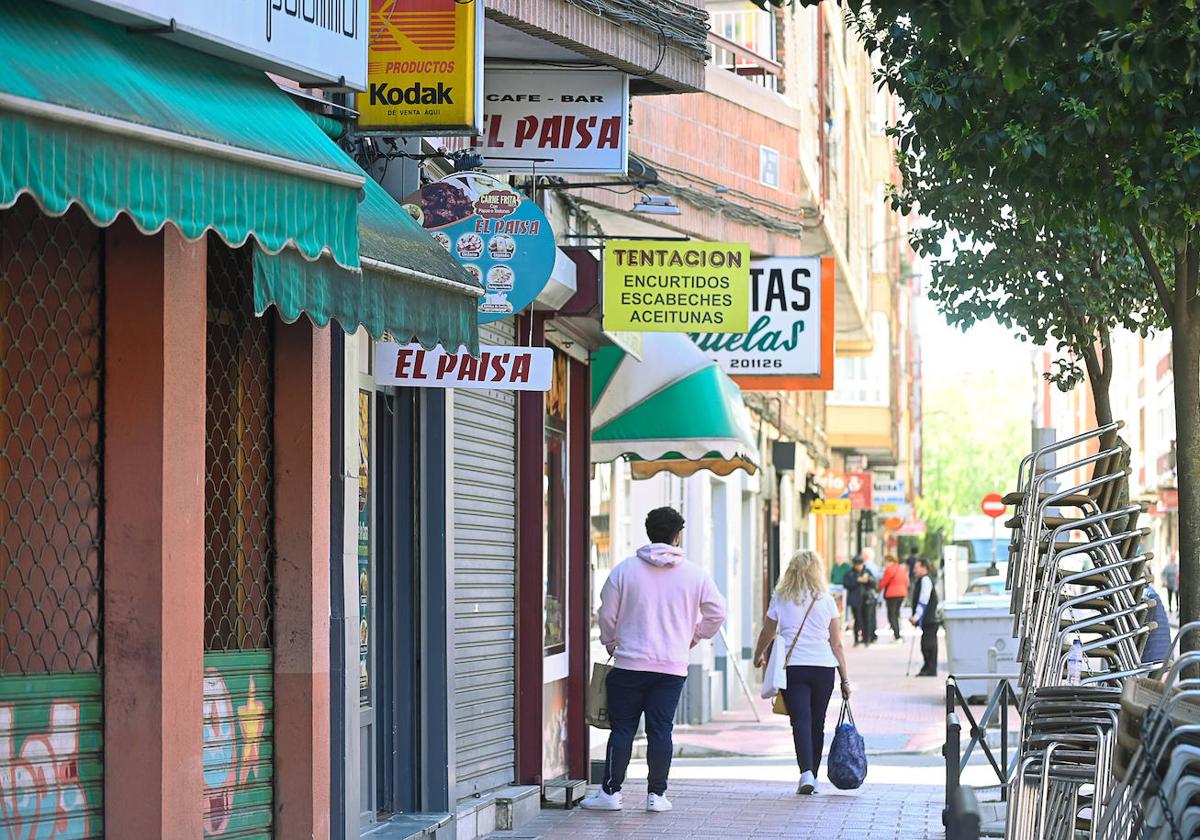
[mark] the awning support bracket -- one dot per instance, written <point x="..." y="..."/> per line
<point x="159" y="29"/>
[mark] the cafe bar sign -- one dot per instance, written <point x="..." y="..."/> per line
<point x="315" y="41"/>
<point x="496" y="367"/>
<point x="671" y="286"/>
<point x="555" y="121"/>
<point x="788" y="345"/>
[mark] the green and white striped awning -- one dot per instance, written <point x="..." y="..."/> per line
<point x="115" y="122"/>
<point x="410" y="288"/>
<point x="674" y="410"/>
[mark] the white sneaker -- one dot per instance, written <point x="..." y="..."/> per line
<point x="658" y="803"/>
<point x="601" y="801"/>
<point x="808" y="783"/>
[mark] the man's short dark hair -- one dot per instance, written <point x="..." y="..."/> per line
<point x="663" y="525"/>
<point x="924" y="564"/>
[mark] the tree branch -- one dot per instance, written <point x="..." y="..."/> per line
<point x="1164" y="294"/>
<point x="1193" y="269"/>
<point x="1106" y="351"/>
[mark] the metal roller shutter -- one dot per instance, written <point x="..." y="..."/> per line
<point x="51" y="510"/>
<point x="485" y="581"/>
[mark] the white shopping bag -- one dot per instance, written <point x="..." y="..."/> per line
<point x="775" y="679"/>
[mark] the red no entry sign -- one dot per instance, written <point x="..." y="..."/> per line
<point x="993" y="505"/>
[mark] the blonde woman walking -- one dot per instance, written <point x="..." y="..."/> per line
<point x="804" y="615"/>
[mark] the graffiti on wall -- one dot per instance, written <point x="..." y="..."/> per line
<point x="237" y="759"/>
<point x="41" y="794"/>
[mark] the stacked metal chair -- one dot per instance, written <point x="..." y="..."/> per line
<point x="1156" y="794"/>
<point x="1076" y="571"/>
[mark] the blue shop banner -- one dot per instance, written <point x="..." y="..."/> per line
<point x="498" y="234"/>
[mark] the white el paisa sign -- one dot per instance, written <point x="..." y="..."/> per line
<point x="498" y="368"/>
<point x="555" y="120"/>
<point x="306" y="40"/>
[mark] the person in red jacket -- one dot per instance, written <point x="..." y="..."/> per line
<point x="894" y="586"/>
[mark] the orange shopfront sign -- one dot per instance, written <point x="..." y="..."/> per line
<point x="789" y="343"/>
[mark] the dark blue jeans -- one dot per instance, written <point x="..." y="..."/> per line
<point x="630" y="695"/>
<point x="807" y="697"/>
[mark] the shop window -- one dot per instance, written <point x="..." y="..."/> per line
<point x="554" y="504"/>
<point x="50" y="438"/>
<point x="239" y="550"/>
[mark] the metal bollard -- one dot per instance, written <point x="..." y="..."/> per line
<point x="951" y="752"/>
<point x="965" y="819"/>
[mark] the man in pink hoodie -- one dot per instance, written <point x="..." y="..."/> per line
<point x="654" y="608"/>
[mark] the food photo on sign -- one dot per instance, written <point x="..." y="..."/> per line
<point x="498" y="234"/>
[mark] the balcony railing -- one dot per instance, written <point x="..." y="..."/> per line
<point x="744" y="61"/>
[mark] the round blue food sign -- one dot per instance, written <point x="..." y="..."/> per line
<point x="498" y="234"/>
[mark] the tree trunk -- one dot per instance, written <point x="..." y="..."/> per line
<point x="1100" y="381"/>
<point x="1185" y="361"/>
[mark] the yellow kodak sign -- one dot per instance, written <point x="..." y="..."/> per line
<point x="424" y="67"/>
<point x="683" y="287"/>
<point x="831" y="507"/>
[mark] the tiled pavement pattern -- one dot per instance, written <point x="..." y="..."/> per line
<point x="734" y="809"/>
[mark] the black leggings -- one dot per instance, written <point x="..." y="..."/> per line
<point x="809" y="688"/>
<point x="893" y="612"/>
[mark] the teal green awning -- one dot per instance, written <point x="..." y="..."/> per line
<point x="124" y="123"/>
<point x="410" y="288"/>
<point x="675" y="410"/>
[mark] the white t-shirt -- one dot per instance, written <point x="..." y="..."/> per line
<point x="812" y="648"/>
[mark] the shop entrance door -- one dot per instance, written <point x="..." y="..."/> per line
<point x="389" y="600"/>
<point x="556" y="488"/>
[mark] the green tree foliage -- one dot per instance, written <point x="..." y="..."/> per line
<point x="1071" y="116"/>
<point x="1069" y="290"/>
<point x="974" y="435"/>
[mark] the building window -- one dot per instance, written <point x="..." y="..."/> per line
<point x="768" y="167"/>
<point x="866" y="381"/>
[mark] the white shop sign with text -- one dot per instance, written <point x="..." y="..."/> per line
<point x="891" y="498"/>
<point x="555" y="120"/>
<point x="790" y="307"/>
<point x="498" y="368"/>
<point x="306" y="40"/>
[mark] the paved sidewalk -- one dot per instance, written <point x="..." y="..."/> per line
<point x="736" y="777"/>
<point x="733" y="809"/>
<point x="894" y="713"/>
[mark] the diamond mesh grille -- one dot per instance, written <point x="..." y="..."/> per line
<point x="239" y="555"/>
<point x="50" y="415"/>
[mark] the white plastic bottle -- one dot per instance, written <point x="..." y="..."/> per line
<point x="1075" y="663"/>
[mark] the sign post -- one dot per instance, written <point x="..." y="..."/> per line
<point x="993" y="505"/>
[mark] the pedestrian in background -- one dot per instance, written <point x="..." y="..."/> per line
<point x="860" y="584"/>
<point x="925" y="616"/>
<point x="839" y="571"/>
<point x="1170" y="578"/>
<point x="805" y="617"/>
<point x="911" y="562"/>
<point x="654" y="608"/>
<point x="894" y="586"/>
